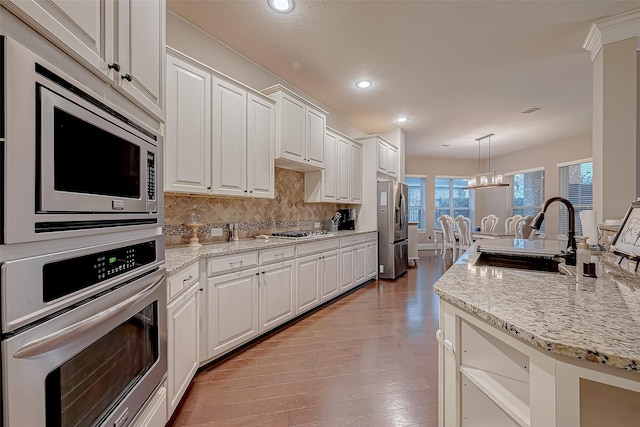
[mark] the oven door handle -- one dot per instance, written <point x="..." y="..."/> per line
<point x="68" y="334"/>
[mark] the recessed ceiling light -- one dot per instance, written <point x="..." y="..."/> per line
<point x="281" y="6"/>
<point x="402" y="119"/>
<point x="364" y="84"/>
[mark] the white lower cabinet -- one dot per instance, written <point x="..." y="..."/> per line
<point x="154" y="414"/>
<point x="346" y="270"/>
<point x="329" y="275"/>
<point x="276" y="304"/>
<point x="372" y="260"/>
<point x="232" y="310"/>
<point x="359" y="264"/>
<point x="308" y="279"/>
<point x="183" y="346"/>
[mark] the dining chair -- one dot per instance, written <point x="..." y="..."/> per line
<point x="510" y="224"/>
<point x="464" y="233"/>
<point x="488" y="223"/>
<point x="449" y="237"/>
<point x="522" y="229"/>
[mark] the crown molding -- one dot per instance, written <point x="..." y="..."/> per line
<point x="612" y="29"/>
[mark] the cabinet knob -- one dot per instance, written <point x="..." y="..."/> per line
<point x="251" y="191"/>
<point x="201" y="289"/>
<point x="208" y="188"/>
<point x="114" y="66"/>
<point x="126" y="77"/>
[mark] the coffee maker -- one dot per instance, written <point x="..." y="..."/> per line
<point x="347" y="220"/>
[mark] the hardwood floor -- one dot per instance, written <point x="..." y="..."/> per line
<point x="369" y="359"/>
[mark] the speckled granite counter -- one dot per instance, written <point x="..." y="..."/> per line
<point x="592" y="319"/>
<point x="178" y="257"/>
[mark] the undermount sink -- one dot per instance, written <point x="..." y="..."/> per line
<point x="521" y="262"/>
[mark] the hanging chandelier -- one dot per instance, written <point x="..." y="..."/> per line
<point x="488" y="179"/>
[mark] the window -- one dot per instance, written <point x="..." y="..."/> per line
<point x="452" y="200"/>
<point x="528" y="193"/>
<point x="417" y="191"/>
<point x="576" y="185"/>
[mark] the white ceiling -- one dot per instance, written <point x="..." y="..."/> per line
<point x="458" y="69"/>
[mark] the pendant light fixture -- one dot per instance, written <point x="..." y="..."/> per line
<point x="489" y="179"/>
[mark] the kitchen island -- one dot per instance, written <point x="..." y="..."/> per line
<point x="533" y="348"/>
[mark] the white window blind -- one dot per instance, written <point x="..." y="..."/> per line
<point x="528" y="193"/>
<point x="417" y="193"/>
<point x="576" y="185"/>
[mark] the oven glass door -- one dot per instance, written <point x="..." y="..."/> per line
<point x="89" y="163"/>
<point x="86" y="388"/>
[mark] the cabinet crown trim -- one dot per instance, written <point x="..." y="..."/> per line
<point x="377" y="136"/>
<point x="280" y="88"/>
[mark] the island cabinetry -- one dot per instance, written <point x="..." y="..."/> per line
<point x="121" y="41"/>
<point x="183" y="313"/>
<point x="300" y="131"/>
<point x="490" y="378"/>
<point x="220" y="134"/>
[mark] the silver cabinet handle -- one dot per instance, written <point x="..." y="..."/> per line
<point x="65" y="335"/>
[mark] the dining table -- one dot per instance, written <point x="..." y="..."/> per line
<point x="476" y="235"/>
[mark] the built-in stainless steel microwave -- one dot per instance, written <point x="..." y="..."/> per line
<point x="72" y="163"/>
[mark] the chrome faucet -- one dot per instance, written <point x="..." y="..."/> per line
<point x="571" y="244"/>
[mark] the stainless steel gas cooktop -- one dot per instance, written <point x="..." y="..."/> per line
<point x="299" y="234"/>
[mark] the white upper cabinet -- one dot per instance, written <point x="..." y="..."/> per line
<point x="220" y="133"/>
<point x="123" y="41"/>
<point x="355" y="173"/>
<point x="260" y="146"/>
<point x="300" y="131"/>
<point x="188" y="128"/>
<point x="392" y="161"/>
<point x="387" y="158"/>
<point x="341" y="179"/>
<point x="229" y="147"/>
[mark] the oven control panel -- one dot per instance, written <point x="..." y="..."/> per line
<point x="61" y="278"/>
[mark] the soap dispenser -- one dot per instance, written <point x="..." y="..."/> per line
<point x="583" y="254"/>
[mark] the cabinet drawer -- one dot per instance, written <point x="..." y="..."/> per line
<point x="268" y="256"/>
<point x="216" y="266"/>
<point x="353" y="240"/>
<point x="372" y="237"/>
<point x="181" y="280"/>
<point x="311" y="248"/>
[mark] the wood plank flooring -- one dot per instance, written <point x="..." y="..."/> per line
<point x="369" y="359"/>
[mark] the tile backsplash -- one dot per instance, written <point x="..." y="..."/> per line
<point x="286" y="211"/>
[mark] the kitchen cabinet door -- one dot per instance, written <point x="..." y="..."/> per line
<point x="372" y="260"/>
<point x="140" y="35"/>
<point x="188" y="129"/>
<point x="329" y="184"/>
<point x="276" y="304"/>
<point x="346" y="269"/>
<point x="229" y="140"/>
<point x="232" y="311"/>
<point x="292" y="129"/>
<point x="315" y="131"/>
<point x="329" y="275"/>
<point x="308" y="283"/>
<point x="121" y="41"/>
<point x="260" y="146"/>
<point x="382" y="156"/>
<point x="182" y="344"/>
<point x="359" y="264"/>
<point x="343" y="172"/>
<point x="392" y="161"/>
<point x="87" y="32"/>
<point x="355" y="172"/>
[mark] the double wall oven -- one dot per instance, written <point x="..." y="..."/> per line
<point x="82" y="291"/>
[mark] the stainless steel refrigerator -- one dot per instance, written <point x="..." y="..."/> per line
<point x="393" y="243"/>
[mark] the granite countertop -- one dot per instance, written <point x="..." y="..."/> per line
<point x="594" y="319"/>
<point x="179" y="257"/>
